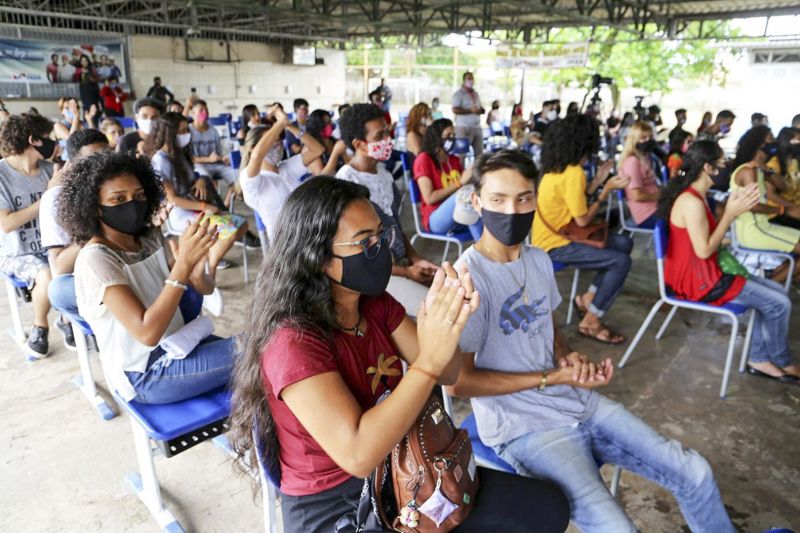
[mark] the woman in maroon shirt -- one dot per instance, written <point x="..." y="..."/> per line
<point x="320" y="377"/>
<point x="691" y="270"/>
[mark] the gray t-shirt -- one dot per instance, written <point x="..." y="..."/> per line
<point x="18" y="192"/>
<point x="508" y="335"/>
<point x="205" y="142"/>
<point x="468" y="100"/>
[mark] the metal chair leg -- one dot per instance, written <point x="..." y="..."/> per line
<point x="664" y="326"/>
<point x="85" y="381"/>
<point x="614" y="488"/>
<point x="446" y="249"/>
<point x="244" y="260"/>
<point x="641" y="331"/>
<point x="747" y="339"/>
<point x="17" y="332"/>
<point x="729" y="358"/>
<point x="576" y="277"/>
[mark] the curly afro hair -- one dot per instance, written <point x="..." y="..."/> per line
<point x="353" y="123"/>
<point x="568" y="141"/>
<point x="15" y="131"/>
<point x="78" y="203"/>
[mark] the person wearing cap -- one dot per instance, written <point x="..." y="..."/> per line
<point x="146" y="111"/>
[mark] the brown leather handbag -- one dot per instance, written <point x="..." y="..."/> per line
<point x="434" y="476"/>
<point x="594" y="234"/>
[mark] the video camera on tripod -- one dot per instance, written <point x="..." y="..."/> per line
<point x="594" y="102"/>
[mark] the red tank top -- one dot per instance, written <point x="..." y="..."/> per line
<point x="692" y="278"/>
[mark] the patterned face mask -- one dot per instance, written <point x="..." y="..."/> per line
<point x="380" y="150"/>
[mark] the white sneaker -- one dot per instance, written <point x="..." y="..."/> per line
<point x="213" y="302"/>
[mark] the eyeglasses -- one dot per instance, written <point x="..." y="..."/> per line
<point x="372" y="244"/>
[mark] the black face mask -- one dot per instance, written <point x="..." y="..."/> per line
<point x="510" y="229"/>
<point x="770" y="149"/>
<point x="47" y="148"/>
<point x="795" y="149"/>
<point x="129" y="218"/>
<point x="364" y="275"/>
<point x="647" y="146"/>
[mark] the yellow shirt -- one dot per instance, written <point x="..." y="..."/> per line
<point x="560" y="198"/>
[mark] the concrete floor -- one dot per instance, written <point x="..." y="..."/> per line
<point x="62" y="467"/>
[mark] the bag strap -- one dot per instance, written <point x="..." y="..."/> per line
<point x="547" y="224"/>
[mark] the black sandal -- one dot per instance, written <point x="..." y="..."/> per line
<point x="783" y="378"/>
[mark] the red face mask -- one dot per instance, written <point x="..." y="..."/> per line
<point x="327" y="131"/>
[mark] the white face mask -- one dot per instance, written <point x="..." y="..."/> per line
<point x="427" y="122"/>
<point x="144" y="125"/>
<point x="468" y="84"/>
<point x="275" y="154"/>
<point x="184" y="139"/>
<point x="552" y="115"/>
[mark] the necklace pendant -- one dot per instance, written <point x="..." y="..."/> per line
<point x="525" y="297"/>
<point x="358" y="332"/>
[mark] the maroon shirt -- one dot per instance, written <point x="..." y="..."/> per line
<point x="370" y="367"/>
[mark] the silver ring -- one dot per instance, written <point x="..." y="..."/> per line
<point x="449" y="321"/>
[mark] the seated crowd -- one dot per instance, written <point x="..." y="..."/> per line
<point x="129" y="233"/>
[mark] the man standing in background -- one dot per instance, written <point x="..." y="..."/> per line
<point x="468" y="110"/>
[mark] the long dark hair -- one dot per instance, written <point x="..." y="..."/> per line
<point x="432" y="140"/>
<point x="750" y="144"/>
<point x="248" y="112"/>
<point x="676" y="144"/>
<point x="700" y="153"/>
<point x="569" y="140"/>
<point x="316" y="122"/>
<point x="785" y="154"/>
<point x="291" y="291"/>
<point x="165" y="133"/>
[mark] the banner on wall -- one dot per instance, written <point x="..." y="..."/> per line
<point x="52" y="62"/>
<point x="555" y="56"/>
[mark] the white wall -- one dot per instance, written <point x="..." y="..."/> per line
<point x="226" y="86"/>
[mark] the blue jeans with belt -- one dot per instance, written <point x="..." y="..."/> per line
<point x="612" y="264"/>
<point x="613" y="435"/>
<point x="165" y="380"/>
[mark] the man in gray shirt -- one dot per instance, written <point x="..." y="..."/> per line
<point x="26" y="144"/>
<point x="532" y="395"/>
<point x="468" y="110"/>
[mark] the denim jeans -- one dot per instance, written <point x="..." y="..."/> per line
<point x="61" y="293"/>
<point x="614" y="435"/>
<point x="441" y="221"/>
<point x="612" y="264"/>
<point x="770" y="341"/>
<point x="207" y="367"/>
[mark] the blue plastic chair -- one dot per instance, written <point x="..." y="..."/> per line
<point x="16" y="289"/>
<point x="262" y="234"/>
<point x="85" y="380"/>
<point x="127" y="123"/>
<point x="461" y="147"/>
<point x="558" y="267"/>
<point x="236" y="159"/>
<point x="458" y="238"/>
<point x="219" y="121"/>
<point x="627" y="224"/>
<point x="729" y="310"/>
<point x="173" y="428"/>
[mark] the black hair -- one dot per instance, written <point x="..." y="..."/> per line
<point x="343" y="108"/>
<point x="700" y="154"/>
<point x="53" y="56"/>
<point x="14" y="132"/>
<point x="757" y="116"/>
<point x="725" y="114"/>
<point x="785" y="154"/>
<point x="467" y="73"/>
<point x="81" y="138"/>
<point x="200" y="103"/>
<point x="676" y="143"/>
<point x="680" y="111"/>
<point x="148" y="102"/>
<point x="292" y="291"/>
<point x="796" y="121"/>
<point x="316" y="122"/>
<point x="504" y="159"/>
<point x="376" y="92"/>
<point x="78" y="203"/>
<point x="568" y="141"/>
<point x="165" y="132"/>
<point x="749" y="145"/>
<point x="249" y="112"/>
<point x="299" y="102"/>
<point x="353" y="123"/>
<point x="432" y="140"/>
<point x="112" y="77"/>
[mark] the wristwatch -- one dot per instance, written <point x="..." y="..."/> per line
<point x="543" y="383"/>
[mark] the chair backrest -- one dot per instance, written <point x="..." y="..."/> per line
<point x="660" y="240"/>
<point x="127" y="123"/>
<point x="461" y="146"/>
<point x="414" y="195"/>
<point x="259" y="223"/>
<point x="621" y="203"/>
<point x="236" y="159"/>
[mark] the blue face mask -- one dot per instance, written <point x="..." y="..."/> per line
<point x="771" y="149"/>
<point x="70" y="116"/>
<point x="725" y="128"/>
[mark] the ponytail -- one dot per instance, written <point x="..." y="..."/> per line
<point x="700" y="153"/>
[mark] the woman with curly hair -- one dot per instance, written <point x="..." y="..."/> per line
<point x="691" y="268"/>
<point x="568" y="145"/>
<point x="319" y="390"/>
<point x="166" y="147"/>
<point x="129" y="287"/>
<point x="441" y="183"/>
<point x="418" y="122"/>
<point x="755" y="229"/>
